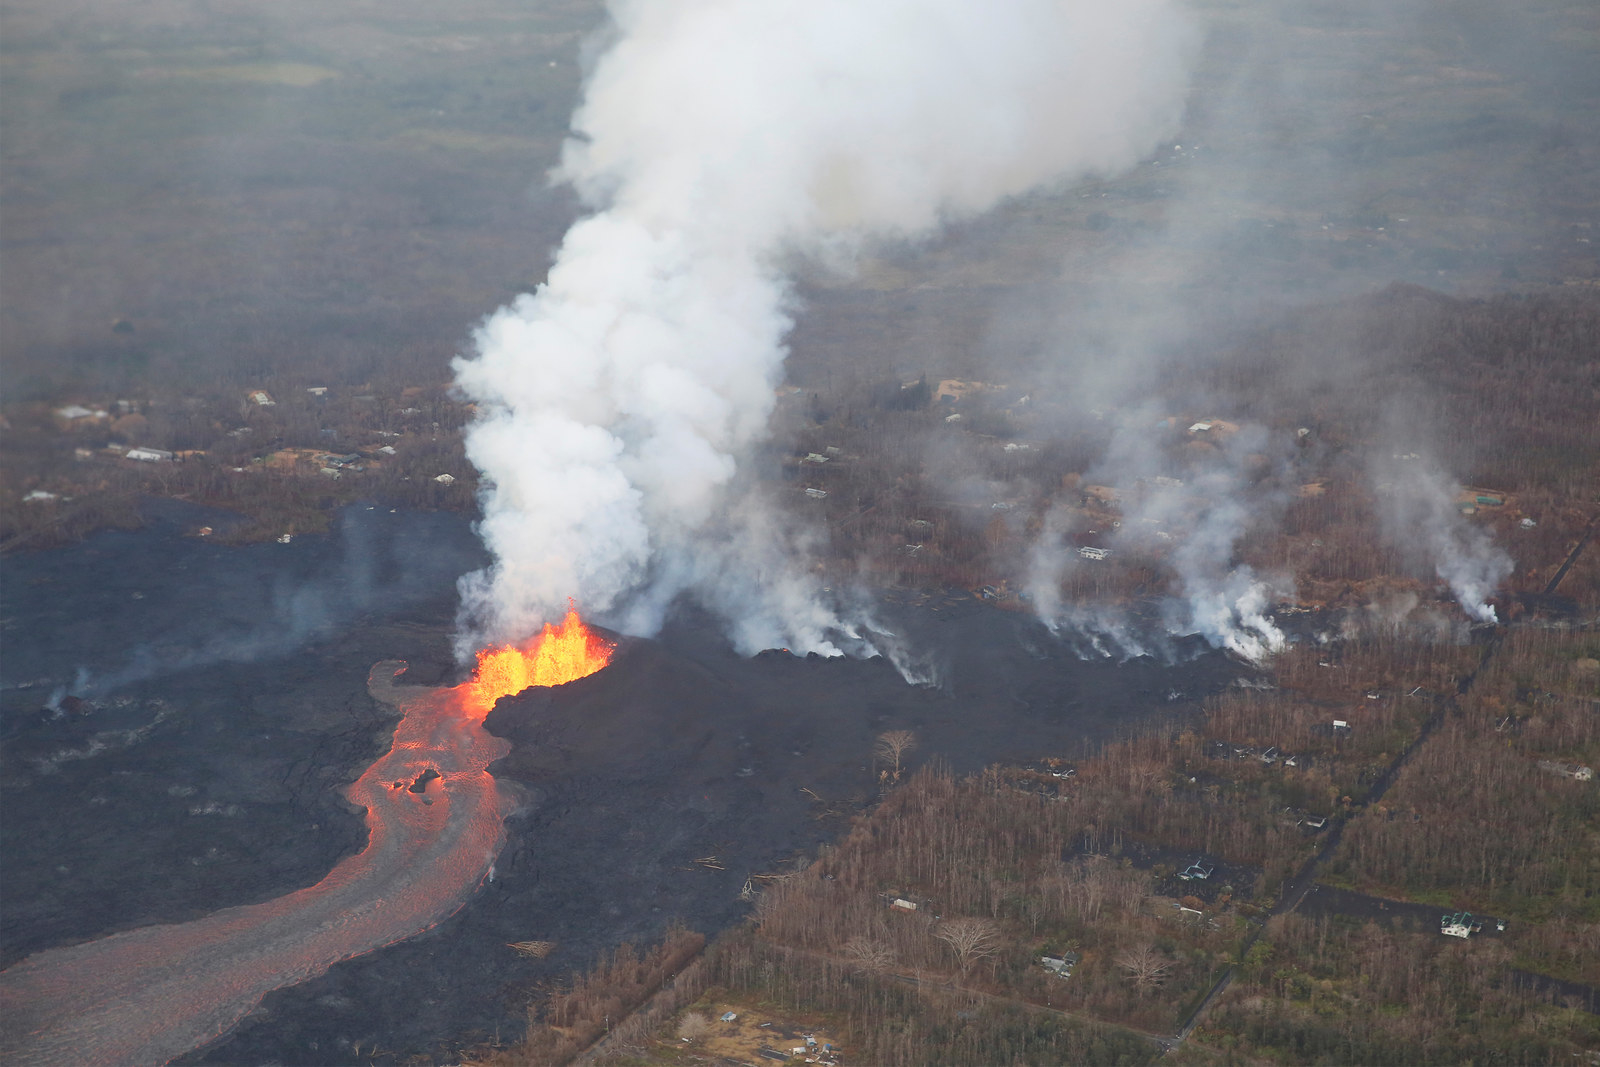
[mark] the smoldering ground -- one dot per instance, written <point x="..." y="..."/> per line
<point x="1323" y="155"/>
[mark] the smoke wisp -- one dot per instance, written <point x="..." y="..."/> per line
<point x="1194" y="523"/>
<point x="1421" y="511"/>
<point x="717" y="144"/>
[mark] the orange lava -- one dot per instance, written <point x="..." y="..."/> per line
<point x="557" y="655"/>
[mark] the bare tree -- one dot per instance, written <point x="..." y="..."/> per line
<point x="970" y="939"/>
<point x="869" y="953"/>
<point x="770" y="905"/>
<point x="893" y="745"/>
<point x="1145" y="967"/>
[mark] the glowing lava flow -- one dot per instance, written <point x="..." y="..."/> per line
<point x="148" y="995"/>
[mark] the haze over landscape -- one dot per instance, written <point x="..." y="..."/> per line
<point x="1087" y="511"/>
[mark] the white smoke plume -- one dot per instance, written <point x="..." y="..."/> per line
<point x="1226" y="603"/>
<point x="1420" y="513"/>
<point x="718" y="140"/>
<point x="1195" y="524"/>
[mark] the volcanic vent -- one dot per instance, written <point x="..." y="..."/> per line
<point x="557" y="655"/>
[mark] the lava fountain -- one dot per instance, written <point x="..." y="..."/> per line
<point x="435" y="821"/>
<point x="558" y="655"/>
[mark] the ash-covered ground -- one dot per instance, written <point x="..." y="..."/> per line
<point x="651" y="791"/>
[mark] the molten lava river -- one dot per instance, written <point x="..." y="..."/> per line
<point x="435" y="823"/>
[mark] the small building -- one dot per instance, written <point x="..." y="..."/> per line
<point x="148" y="455"/>
<point x="1461" y="924"/>
<point x="261" y="398"/>
<point x="387" y="450"/>
<point x="902" y="904"/>
<point x="816" y="494"/>
<point x="1060" y="966"/>
<point x="74" y="412"/>
<point x="318" y="390"/>
<point x="951" y="390"/>
<point x="1088" y="552"/>
<point x="815" y="458"/>
<point x="1197" y="871"/>
<point x="1200" y="427"/>
<point x="445" y="479"/>
<point x="40" y="496"/>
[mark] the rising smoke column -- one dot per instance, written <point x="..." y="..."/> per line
<point x="718" y="140"/>
<point x="1420" y="513"/>
<point x="1195" y="523"/>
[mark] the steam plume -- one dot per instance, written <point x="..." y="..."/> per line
<point x="1196" y="524"/>
<point x="716" y="142"/>
<point x="1422" y="512"/>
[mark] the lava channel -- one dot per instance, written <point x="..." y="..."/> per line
<point x="435" y="820"/>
